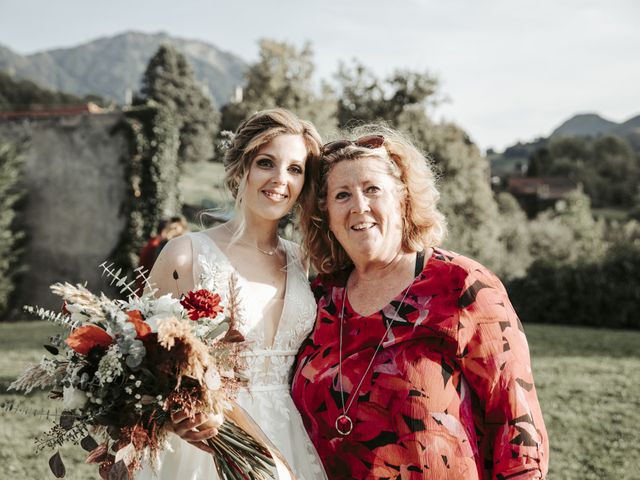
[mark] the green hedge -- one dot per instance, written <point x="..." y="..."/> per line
<point x="603" y="294"/>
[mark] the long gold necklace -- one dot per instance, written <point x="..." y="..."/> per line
<point x="344" y="424"/>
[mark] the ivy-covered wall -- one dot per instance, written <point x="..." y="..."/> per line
<point x="95" y="188"/>
<point x="12" y="191"/>
<point x="73" y="210"/>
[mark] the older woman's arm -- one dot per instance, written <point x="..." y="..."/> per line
<point x="494" y="357"/>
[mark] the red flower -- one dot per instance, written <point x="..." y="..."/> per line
<point x="83" y="339"/>
<point x="142" y="328"/>
<point x="201" y="303"/>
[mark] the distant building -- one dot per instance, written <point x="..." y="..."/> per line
<point x="237" y="95"/>
<point x="536" y="194"/>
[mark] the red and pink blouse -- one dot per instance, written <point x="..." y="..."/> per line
<point x="450" y="395"/>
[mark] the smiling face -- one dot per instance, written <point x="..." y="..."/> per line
<point x="275" y="178"/>
<point x="364" y="205"/>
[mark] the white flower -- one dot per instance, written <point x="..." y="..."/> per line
<point x="136" y="303"/>
<point x="110" y="366"/>
<point x="73" y="308"/>
<point x="212" y="379"/>
<point x="166" y="304"/>
<point x="73" y="398"/>
<point x="153" y="322"/>
<point x="79" y="317"/>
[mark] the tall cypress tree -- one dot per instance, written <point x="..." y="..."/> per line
<point x="170" y="82"/>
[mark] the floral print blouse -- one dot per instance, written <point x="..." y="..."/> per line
<point x="450" y="395"/>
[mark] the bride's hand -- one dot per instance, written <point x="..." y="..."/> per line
<point x="197" y="429"/>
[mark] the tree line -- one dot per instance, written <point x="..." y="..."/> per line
<point x="532" y="256"/>
<point x="606" y="166"/>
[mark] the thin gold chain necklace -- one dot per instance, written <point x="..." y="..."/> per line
<point x="270" y="252"/>
<point x="344" y="424"/>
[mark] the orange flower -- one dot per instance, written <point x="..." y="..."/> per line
<point x="142" y="328"/>
<point x="84" y="338"/>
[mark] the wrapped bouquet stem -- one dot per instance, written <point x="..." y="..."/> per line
<point x="239" y="422"/>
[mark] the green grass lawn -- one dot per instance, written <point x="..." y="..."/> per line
<point x="588" y="381"/>
<point x="21" y="344"/>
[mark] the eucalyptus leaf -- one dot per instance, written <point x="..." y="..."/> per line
<point x="57" y="466"/>
<point x="52" y="350"/>
<point x="119" y="471"/>
<point x="67" y="419"/>
<point x="88" y="443"/>
<point x="218" y="330"/>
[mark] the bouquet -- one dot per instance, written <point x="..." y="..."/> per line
<point x="124" y="366"/>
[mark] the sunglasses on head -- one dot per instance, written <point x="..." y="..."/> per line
<point x="368" y="141"/>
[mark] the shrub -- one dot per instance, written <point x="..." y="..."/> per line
<point x="603" y="293"/>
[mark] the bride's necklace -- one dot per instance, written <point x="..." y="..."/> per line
<point x="271" y="252"/>
<point x="344" y="424"/>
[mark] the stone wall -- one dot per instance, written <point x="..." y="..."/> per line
<point x="76" y="186"/>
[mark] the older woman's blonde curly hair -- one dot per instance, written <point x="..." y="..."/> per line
<point x="423" y="225"/>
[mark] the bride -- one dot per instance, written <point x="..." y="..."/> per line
<point x="265" y="171"/>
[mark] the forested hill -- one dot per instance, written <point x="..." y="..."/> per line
<point x="583" y="125"/>
<point x="110" y="66"/>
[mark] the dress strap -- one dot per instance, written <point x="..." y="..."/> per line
<point x="198" y="247"/>
<point x="293" y="255"/>
<point x="204" y="251"/>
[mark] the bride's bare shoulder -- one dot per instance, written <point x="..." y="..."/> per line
<point x="178" y="251"/>
<point x="172" y="271"/>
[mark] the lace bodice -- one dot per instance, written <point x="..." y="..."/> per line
<point x="266" y="365"/>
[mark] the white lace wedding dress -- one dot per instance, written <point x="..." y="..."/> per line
<point x="267" y="397"/>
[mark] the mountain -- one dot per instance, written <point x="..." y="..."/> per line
<point x="631" y="131"/>
<point x="593" y="125"/>
<point x="630" y="125"/>
<point x="585" y="124"/>
<point x="512" y="161"/>
<point x="112" y="65"/>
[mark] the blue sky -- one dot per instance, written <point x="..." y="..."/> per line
<point x="512" y="69"/>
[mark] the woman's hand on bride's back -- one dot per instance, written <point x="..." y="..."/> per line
<point x="198" y="428"/>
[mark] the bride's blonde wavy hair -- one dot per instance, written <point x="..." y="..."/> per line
<point x="423" y="224"/>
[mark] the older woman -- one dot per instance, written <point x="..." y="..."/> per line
<point x="417" y="366"/>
